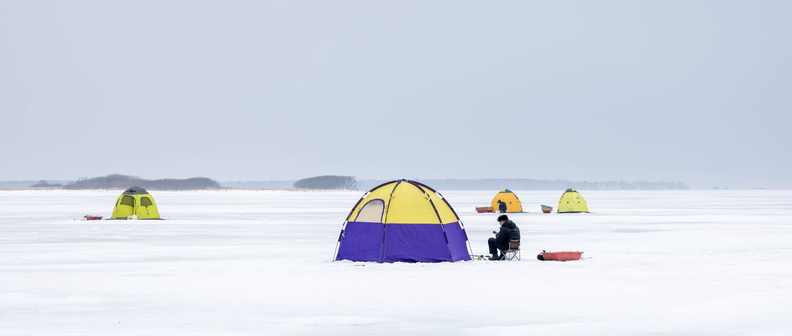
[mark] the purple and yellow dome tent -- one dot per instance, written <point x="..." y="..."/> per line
<point x="402" y="221"/>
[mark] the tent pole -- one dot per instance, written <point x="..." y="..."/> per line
<point x="385" y="221"/>
<point x="470" y="247"/>
<point x="338" y="242"/>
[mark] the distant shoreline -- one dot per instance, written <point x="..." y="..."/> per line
<point x="360" y="190"/>
<point x="121" y="189"/>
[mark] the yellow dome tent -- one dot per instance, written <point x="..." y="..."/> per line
<point x="571" y="202"/>
<point x="135" y="201"/>
<point x="509" y="199"/>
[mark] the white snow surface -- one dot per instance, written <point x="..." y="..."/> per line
<point x="259" y="262"/>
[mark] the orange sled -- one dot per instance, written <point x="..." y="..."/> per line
<point x="560" y="256"/>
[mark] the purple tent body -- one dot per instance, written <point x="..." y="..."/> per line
<point x="403" y="221"/>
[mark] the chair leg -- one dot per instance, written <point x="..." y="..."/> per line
<point x="511" y="255"/>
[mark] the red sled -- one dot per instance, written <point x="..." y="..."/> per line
<point x="560" y="256"/>
<point x="484" y="209"/>
<point x="92" y="217"/>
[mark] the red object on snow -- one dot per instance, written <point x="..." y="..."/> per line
<point x="92" y="217"/>
<point x="561" y="255"/>
<point x="484" y="209"/>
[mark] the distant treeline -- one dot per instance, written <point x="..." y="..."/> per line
<point x="33" y="184"/>
<point x="529" y="184"/>
<point x="454" y="184"/>
<point x="286" y="184"/>
<point x="327" y="182"/>
<point x="45" y="184"/>
<point x="116" y="181"/>
<point x="345" y="182"/>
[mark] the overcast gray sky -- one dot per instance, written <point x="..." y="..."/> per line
<point x="693" y="91"/>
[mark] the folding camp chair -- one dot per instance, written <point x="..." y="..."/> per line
<point x="513" y="251"/>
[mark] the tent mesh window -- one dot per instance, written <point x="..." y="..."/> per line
<point x="128" y="200"/>
<point x="371" y="212"/>
<point x="145" y="201"/>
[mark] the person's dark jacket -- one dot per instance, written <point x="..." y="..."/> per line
<point x="508" y="231"/>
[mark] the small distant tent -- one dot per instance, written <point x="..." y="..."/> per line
<point x="402" y="221"/>
<point x="507" y="196"/>
<point x="571" y="201"/>
<point x="135" y="201"/>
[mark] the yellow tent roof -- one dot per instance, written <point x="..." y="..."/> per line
<point x="403" y="202"/>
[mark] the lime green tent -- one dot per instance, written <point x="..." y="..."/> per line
<point x="571" y="201"/>
<point x="135" y="201"/>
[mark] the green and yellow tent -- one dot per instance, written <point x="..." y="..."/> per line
<point x="571" y="202"/>
<point x="508" y="198"/>
<point x="135" y="201"/>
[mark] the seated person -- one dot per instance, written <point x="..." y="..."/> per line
<point x="508" y="231"/>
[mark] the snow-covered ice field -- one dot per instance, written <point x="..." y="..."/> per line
<point x="259" y="262"/>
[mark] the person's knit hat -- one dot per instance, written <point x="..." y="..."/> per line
<point x="503" y="218"/>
